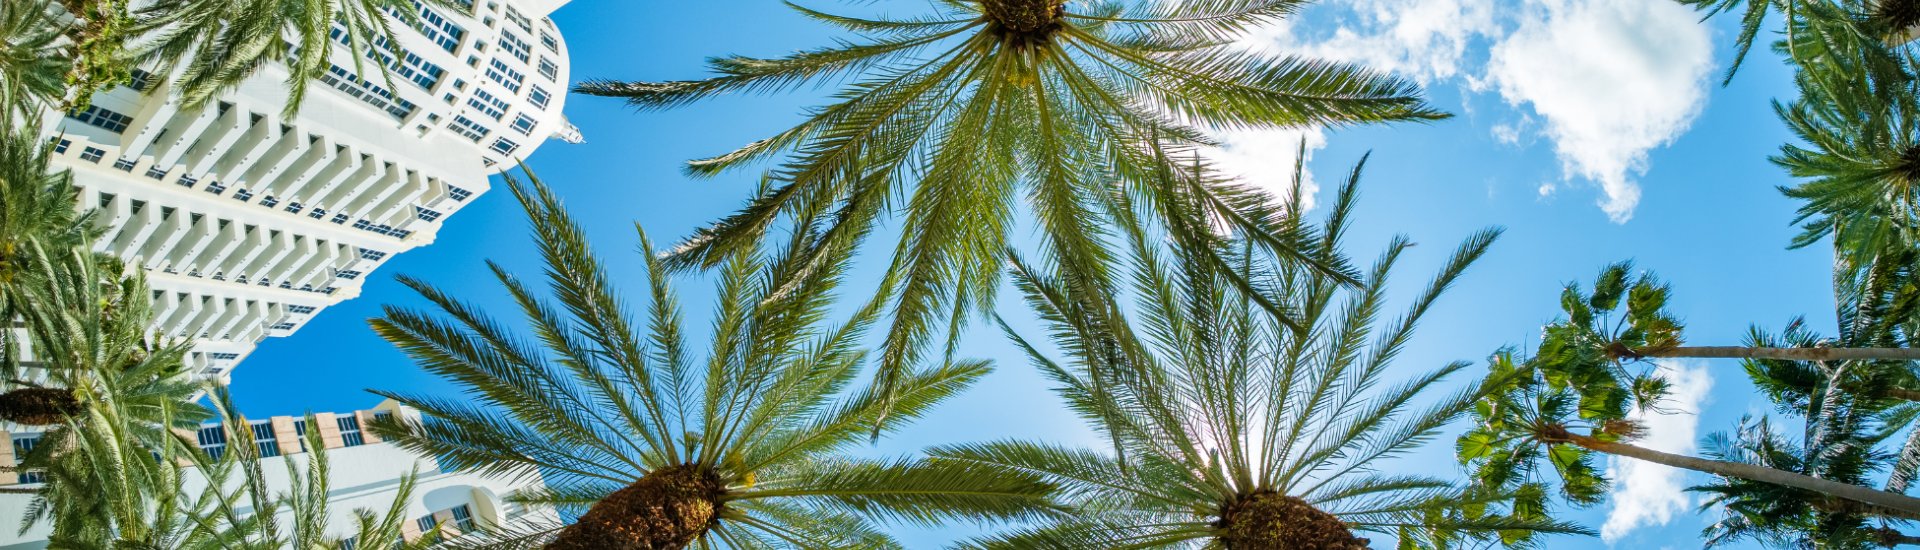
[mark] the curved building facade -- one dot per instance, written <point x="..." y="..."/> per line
<point x="250" y="223"/>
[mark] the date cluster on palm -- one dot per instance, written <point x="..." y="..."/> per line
<point x="1024" y="20"/>
<point x="667" y="509"/>
<point x="1271" y="521"/>
<point x="38" y="406"/>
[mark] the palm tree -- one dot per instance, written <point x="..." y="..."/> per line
<point x="32" y="67"/>
<point x="960" y="112"/>
<point x="86" y="316"/>
<point x="217" y="44"/>
<point x="1234" y="430"/>
<point x="245" y="514"/>
<point x="650" y="449"/>
<point x="36" y="204"/>
<point x="103" y="492"/>
<point x="1857" y="158"/>
<point x="1572" y="399"/>
<point x="106" y="393"/>
<point x="1786" y="517"/>
<point x="1848" y="410"/>
<point x="1888" y="22"/>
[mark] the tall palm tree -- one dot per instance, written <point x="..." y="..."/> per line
<point x="1848" y="410"/>
<point x="32" y="67"/>
<point x="217" y="44"/>
<point x="1556" y="410"/>
<point x="1840" y="449"/>
<point x="106" y="393"/>
<point x="960" y="112"/>
<point x="1888" y="22"/>
<point x="1233" y="430"/>
<point x="654" y="450"/>
<point x="1858" y="158"/>
<point x="36" y="204"/>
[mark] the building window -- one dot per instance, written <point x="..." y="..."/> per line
<point x="294" y="207"/>
<point x="516" y="47"/>
<point x="538" y="97"/>
<point x="340" y="218"/>
<point x="23" y="444"/>
<point x="374" y="255"/>
<point x="213" y="440"/>
<point x="463" y="518"/>
<point x="269" y="202"/>
<point x="216" y="187"/>
<point x="467" y="127"/>
<point x="498" y="72"/>
<point x="350" y="431"/>
<point x="458" y="194"/>
<point x="156" y="173"/>
<point x="299" y="310"/>
<point x="486" y="103"/>
<point x="187" y="181"/>
<point x="96" y="116"/>
<point x="426" y="214"/>
<point x="347" y="274"/>
<point x="264" y="438"/>
<point x="547" y="39"/>
<point x="300" y="431"/>
<point x="61" y="145"/>
<point x="523" y="124"/>
<point x="224" y="356"/>
<point x="139" y="80"/>
<point x="372" y="94"/>
<point x="504" y="146"/>
<point x="519" y="20"/>
<point x="91" y="154"/>
<point x="436" y="27"/>
<point x="125" y="165"/>
<point x="317" y="213"/>
<point x="426" y="524"/>
<point x="549" y="69"/>
<point x="242" y="195"/>
<point x="282" y="326"/>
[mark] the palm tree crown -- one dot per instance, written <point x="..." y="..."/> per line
<point x="1234" y="430"/>
<point x="957" y="113"/>
<point x="654" y="448"/>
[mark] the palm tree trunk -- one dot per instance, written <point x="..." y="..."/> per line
<point x="1891" y="501"/>
<point x="1785" y="354"/>
<point x="667" y="509"/>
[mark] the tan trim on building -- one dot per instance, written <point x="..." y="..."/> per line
<point x="366" y="433"/>
<point x="409" y="530"/>
<point x="329" y="430"/>
<point x="8" y="476"/>
<point x="285" y="435"/>
<point x="193" y="438"/>
<point x="448" y="527"/>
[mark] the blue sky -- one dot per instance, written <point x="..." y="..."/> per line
<point x="1592" y="130"/>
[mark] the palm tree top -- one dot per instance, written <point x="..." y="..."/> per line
<point x="653" y="444"/>
<point x="955" y="117"/>
<point x="1233" y="429"/>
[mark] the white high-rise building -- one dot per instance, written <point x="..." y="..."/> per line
<point x="249" y="224"/>
<point x="365" y="475"/>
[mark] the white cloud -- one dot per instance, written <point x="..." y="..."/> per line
<point x="1611" y="79"/>
<point x="1266" y="158"/>
<point x="1647" y="494"/>
<point x="1607" y="81"/>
